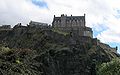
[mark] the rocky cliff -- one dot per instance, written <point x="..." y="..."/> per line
<point x="35" y="51"/>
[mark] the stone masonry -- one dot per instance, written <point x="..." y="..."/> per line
<point x="75" y="24"/>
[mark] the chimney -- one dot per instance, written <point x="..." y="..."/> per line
<point x="84" y="14"/>
<point x="62" y="15"/>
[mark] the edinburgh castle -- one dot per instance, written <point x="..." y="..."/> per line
<point x="67" y="47"/>
<point x="69" y="24"/>
<point x="75" y="26"/>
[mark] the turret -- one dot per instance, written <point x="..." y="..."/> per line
<point x="84" y="19"/>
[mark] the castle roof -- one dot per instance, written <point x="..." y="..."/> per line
<point x="37" y="23"/>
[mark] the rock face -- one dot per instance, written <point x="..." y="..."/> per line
<point x="48" y="52"/>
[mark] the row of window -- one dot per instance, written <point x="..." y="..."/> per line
<point x="70" y="21"/>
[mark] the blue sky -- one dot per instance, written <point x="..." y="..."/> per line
<point x="40" y="3"/>
<point x="102" y="15"/>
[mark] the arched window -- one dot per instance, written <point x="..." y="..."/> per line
<point x="73" y="23"/>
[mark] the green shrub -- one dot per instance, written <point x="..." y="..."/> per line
<point x="4" y="50"/>
<point x="109" y="68"/>
<point x="18" y="61"/>
<point x="60" y="32"/>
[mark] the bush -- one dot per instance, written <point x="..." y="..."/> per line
<point x="109" y="68"/>
<point x="4" y="50"/>
<point x="60" y="32"/>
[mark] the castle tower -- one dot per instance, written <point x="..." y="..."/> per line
<point x="71" y="23"/>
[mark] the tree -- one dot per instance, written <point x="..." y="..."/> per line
<point x="109" y="68"/>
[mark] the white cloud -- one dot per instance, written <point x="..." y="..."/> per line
<point x="109" y="36"/>
<point x="14" y="11"/>
<point x="112" y="34"/>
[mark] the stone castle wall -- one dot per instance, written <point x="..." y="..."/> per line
<point x="69" y="21"/>
<point x="5" y="27"/>
<point x="75" y="24"/>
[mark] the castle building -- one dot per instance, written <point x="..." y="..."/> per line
<point x="33" y="23"/>
<point x="74" y="24"/>
<point x="38" y="25"/>
<point x="5" y="27"/>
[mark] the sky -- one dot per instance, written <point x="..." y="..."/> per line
<point x="103" y="16"/>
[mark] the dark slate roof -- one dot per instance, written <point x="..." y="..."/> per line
<point x="37" y="23"/>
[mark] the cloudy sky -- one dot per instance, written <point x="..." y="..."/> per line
<point x="102" y="15"/>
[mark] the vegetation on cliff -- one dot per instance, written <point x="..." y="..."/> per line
<point x="31" y="51"/>
<point x="17" y="62"/>
<point x="109" y="68"/>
